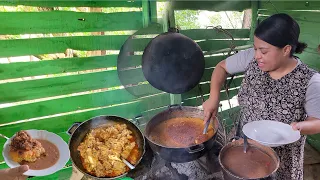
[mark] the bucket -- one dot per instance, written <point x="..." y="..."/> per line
<point x="259" y="162"/>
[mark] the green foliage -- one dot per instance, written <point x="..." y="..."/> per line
<point x="187" y="19"/>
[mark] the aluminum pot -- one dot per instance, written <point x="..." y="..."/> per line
<point x="180" y="155"/>
<point x="78" y="132"/>
<point x="228" y="175"/>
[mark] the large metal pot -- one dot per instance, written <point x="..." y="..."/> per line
<point x="78" y="131"/>
<point x="179" y="155"/>
<point x="228" y="175"/>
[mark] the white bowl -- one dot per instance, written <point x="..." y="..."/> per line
<point x="271" y="133"/>
<point x="45" y="135"/>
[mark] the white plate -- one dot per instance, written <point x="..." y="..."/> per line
<point x="41" y="134"/>
<point x="271" y="133"/>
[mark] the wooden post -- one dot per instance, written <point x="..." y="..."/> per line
<point x="254" y="20"/>
<point x="146" y="13"/>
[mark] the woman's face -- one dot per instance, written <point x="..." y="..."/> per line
<point x="268" y="57"/>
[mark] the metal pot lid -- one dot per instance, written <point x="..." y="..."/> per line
<point x="129" y="63"/>
<point x="172" y="62"/>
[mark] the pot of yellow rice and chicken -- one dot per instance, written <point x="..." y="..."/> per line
<point x="99" y="146"/>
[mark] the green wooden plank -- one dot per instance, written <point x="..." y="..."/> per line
<point x="36" y="68"/>
<point x="309" y="16"/>
<point x="68" y="104"/>
<point x="198" y="34"/>
<point x="290" y="5"/>
<point x="212" y="61"/>
<point x="249" y="44"/>
<point x="153" y="28"/>
<point x="26" y="90"/>
<point x="314" y="141"/>
<point x="35" y="46"/>
<point x="236" y="5"/>
<point x="146" y="13"/>
<point x="62" y="123"/>
<point x="66" y="22"/>
<point x="198" y="101"/>
<point x="254" y="18"/>
<point x="63" y="174"/>
<point x="81" y="3"/>
<point x="3" y="166"/>
<point x="27" y="69"/>
<point x="210" y="45"/>
<point x="311" y="59"/>
<point x="206" y="89"/>
<point x="153" y="11"/>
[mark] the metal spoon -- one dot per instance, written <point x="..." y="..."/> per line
<point x="123" y="160"/>
<point x="245" y="144"/>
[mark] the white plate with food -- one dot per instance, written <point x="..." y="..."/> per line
<point x="271" y="133"/>
<point x="44" y="152"/>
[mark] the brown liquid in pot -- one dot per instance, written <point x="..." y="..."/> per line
<point x="49" y="159"/>
<point x="180" y="132"/>
<point x="253" y="164"/>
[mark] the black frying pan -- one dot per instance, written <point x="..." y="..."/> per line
<point x="78" y="131"/>
<point x="173" y="63"/>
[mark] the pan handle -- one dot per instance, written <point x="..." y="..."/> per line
<point x="73" y="128"/>
<point x="195" y="149"/>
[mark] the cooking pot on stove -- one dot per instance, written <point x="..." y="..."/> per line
<point x="231" y="171"/>
<point x="177" y="154"/>
<point x="174" y="63"/>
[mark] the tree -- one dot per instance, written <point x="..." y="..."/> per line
<point x="187" y="19"/>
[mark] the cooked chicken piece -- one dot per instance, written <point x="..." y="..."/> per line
<point x="24" y="148"/>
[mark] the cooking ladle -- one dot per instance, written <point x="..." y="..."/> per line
<point x="245" y="144"/>
<point x="206" y="126"/>
<point x="113" y="157"/>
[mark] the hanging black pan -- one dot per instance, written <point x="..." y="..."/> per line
<point x="173" y="63"/>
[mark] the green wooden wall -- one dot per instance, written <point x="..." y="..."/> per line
<point x="72" y="89"/>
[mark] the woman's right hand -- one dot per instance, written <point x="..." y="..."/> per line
<point x="210" y="108"/>
<point x="14" y="173"/>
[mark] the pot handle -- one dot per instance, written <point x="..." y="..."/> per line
<point x="135" y="120"/>
<point x="73" y="128"/>
<point x="174" y="105"/>
<point x="174" y="30"/>
<point x="195" y="149"/>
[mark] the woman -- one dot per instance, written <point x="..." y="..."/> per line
<point x="14" y="173"/>
<point x="277" y="86"/>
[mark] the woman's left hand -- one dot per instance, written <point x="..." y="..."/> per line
<point x="296" y="126"/>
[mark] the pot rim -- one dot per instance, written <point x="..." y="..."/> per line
<point x="216" y="128"/>
<point x="109" y="178"/>
<point x="235" y="176"/>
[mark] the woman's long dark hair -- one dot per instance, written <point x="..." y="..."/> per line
<point x="280" y="30"/>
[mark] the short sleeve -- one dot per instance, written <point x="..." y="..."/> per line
<point x="238" y="63"/>
<point x="313" y="97"/>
